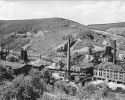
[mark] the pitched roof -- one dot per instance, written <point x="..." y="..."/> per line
<point x="111" y="66"/>
<point x="85" y="65"/>
<point x="39" y="62"/>
<point x="13" y="65"/>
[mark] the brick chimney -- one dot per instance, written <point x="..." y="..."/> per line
<point x="114" y="52"/>
<point x="68" y="58"/>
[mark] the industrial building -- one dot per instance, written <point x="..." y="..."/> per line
<point x="110" y="72"/>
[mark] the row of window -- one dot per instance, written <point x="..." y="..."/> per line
<point x="110" y="74"/>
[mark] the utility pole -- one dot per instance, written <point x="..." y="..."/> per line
<point x="68" y="58"/>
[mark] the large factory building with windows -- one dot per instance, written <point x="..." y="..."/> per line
<point x="110" y="72"/>
<point x="109" y="69"/>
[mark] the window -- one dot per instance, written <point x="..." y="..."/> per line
<point x="95" y="72"/>
<point x="115" y="78"/>
<point x="104" y="73"/>
<point x="120" y="75"/>
<point x="111" y="74"/>
<point x="115" y="75"/>
<point x="108" y="74"/>
<point x="100" y="73"/>
<point x="120" y="78"/>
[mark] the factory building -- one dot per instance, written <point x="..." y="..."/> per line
<point x="111" y="72"/>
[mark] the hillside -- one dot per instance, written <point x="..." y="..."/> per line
<point x="48" y="36"/>
<point x="104" y="27"/>
<point x="113" y="28"/>
<point x="33" y="25"/>
<point x="42" y="34"/>
<point x="118" y="30"/>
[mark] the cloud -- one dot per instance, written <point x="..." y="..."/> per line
<point x="85" y="12"/>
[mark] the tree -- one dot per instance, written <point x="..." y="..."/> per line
<point x="23" y="87"/>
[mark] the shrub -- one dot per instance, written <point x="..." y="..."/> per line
<point x="47" y="96"/>
<point x="119" y="90"/>
<point x="23" y="88"/>
<point x="46" y="76"/>
<point x="85" y="92"/>
<point x="50" y="88"/>
<point x="92" y="91"/>
<point x="61" y="86"/>
<point x="64" y="87"/>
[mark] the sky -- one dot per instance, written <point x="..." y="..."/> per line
<point x="82" y="11"/>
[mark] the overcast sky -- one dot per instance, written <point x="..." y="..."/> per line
<point x="85" y="12"/>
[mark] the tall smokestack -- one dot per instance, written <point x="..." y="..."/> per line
<point x="68" y="58"/>
<point x="114" y="54"/>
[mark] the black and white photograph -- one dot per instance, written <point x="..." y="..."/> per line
<point x="62" y="50"/>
